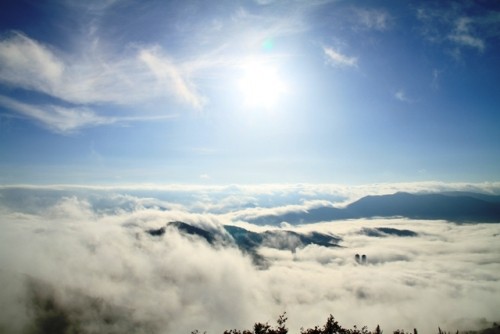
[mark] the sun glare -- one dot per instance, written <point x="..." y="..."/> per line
<point x="261" y="85"/>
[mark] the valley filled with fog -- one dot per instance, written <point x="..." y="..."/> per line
<point x="110" y="260"/>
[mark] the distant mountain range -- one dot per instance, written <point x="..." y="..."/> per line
<point x="461" y="207"/>
<point x="248" y="241"/>
<point x="456" y="207"/>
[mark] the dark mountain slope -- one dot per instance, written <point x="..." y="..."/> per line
<point x="209" y="236"/>
<point x="484" y="197"/>
<point x="387" y="231"/>
<point x="249" y="241"/>
<point x="456" y="207"/>
<point x="304" y="217"/>
<point x="246" y="240"/>
<point x="427" y="206"/>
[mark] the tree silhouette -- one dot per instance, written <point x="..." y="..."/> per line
<point x="260" y="328"/>
<point x="333" y="327"/>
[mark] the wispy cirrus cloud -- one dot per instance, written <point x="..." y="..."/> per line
<point x="170" y="77"/>
<point x="93" y="78"/>
<point x="56" y="118"/>
<point x="28" y="64"/>
<point x="401" y="95"/>
<point x="436" y="74"/>
<point x="87" y="83"/>
<point x="335" y="58"/>
<point x="376" y="19"/>
<point x="456" y="27"/>
<point x="464" y="35"/>
<point x="66" y="120"/>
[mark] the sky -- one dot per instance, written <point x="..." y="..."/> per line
<point x="221" y="92"/>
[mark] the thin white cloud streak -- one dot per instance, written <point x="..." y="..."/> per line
<point x="453" y="26"/>
<point x="271" y="24"/>
<point x="169" y="75"/>
<point x="468" y="40"/>
<point x="173" y="283"/>
<point x="338" y="59"/>
<point x="436" y="75"/>
<point x="264" y="2"/>
<point x="92" y="78"/>
<point x="463" y="35"/>
<point x="94" y="7"/>
<point x="67" y="120"/>
<point x="56" y="118"/>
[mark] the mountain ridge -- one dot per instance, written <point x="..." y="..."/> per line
<point x="455" y="207"/>
<point x="248" y="241"/>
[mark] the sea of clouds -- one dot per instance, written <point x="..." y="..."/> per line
<point x="79" y="258"/>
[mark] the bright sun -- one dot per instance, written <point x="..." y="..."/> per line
<point x="261" y="85"/>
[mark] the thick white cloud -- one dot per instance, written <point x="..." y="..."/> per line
<point x="96" y="264"/>
<point x="247" y="200"/>
<point x="252" y="213"/>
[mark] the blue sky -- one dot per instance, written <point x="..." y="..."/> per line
<point x="249" y="91"/>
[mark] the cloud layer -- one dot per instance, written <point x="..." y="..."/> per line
<point x="86" y="253"/>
